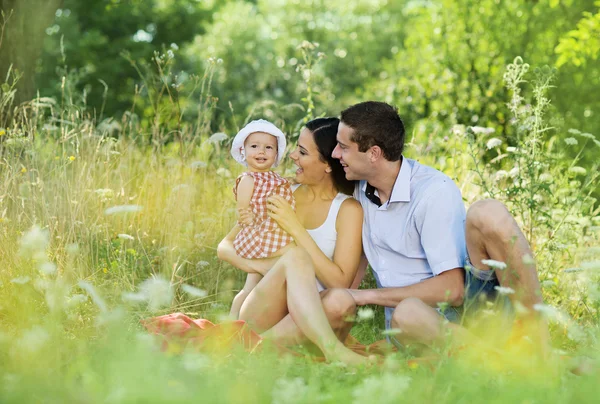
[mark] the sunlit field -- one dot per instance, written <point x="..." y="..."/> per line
<point x="100" y="228"/>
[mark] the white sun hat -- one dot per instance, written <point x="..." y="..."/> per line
<point x="259" y="125"/>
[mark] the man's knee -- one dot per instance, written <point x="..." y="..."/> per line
<point x="408" y="314"/>
<point x="338" y="304"/>
<point x="490" y="217"/>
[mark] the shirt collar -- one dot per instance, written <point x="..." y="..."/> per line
<point x="401" y="189"/>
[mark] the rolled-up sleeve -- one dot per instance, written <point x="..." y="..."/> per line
<point x="441" y="224"/>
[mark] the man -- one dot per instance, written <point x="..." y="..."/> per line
<point x="418" y="237"/>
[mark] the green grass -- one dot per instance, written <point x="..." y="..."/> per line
<point x="69" y="332"/>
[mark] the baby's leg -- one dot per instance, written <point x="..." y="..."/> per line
<point x="283" y="250"/>
<point x="251" y="281"/>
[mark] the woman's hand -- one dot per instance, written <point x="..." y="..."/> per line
<point x="281" y="211"/>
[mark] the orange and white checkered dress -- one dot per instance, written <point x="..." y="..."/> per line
<point x="263" y="237"/>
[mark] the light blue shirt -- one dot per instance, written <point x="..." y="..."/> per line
<point x="419" y="232"/>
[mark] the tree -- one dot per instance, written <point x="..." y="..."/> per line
<point x="23" y="24"/>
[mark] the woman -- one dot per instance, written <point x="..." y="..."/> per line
<point x="327" y="230"/>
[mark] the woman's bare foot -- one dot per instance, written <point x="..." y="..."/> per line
<point x="342" y="354"/>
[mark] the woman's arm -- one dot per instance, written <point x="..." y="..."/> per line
<point x="226" y="252"/>
<point x="340" y="272"/>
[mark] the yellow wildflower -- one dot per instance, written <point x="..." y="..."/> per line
<point x="105" y="270"/>
<point x="23" y="170"/>
<point x="2" y="132"/>
<point x="71" y="158"/>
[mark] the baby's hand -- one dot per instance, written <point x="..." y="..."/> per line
<point x="245" y="216"/>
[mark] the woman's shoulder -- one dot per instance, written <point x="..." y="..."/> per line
<point x="350" y="207"/>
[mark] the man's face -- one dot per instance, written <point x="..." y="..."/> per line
<point x="355" y="162"/>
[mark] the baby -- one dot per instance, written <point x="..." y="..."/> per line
<point x="260" y="146"/>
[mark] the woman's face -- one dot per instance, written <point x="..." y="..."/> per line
<point x="311" y="169"/>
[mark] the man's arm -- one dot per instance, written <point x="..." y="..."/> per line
<point x="445" y="287"/>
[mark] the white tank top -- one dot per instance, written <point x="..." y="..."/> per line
<point x="325" y="235"/>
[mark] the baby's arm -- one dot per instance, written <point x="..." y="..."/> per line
<point x="245" y="189"/>
<point x="251" y="281"/>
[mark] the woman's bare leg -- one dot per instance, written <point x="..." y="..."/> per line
<point x="290" y="285"/>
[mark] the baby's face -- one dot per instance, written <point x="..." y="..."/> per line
<point x="261" y="151"/>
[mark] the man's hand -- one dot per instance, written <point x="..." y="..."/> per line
<point x="359" y="296"/>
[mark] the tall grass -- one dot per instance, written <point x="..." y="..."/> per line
<point x="104" y="222"/>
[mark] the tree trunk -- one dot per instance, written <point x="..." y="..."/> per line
<point x="25" y="23"/>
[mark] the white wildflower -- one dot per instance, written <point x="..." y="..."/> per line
<point x="501" y="174"/>
<point x="34" y="243"/>
<point x="587" y="135"/>
<point x="193" y="361"/>
<point x="105" y="194"/>
<point x="546" y="177"/>
<point x="365" y="313"/>
<point x="574" y="132"/>
<point x="514" y="172"/>
<point x="217" y="138"/>
<point x="33" y="339"/>
<point x="493" y="143"/>
<point x="198" y="164"/>
<point x="528" y="259"/>
<point x="578" y="170"/>
<point x="387" y="388"/>
<point x="223" y="172"/>
<point x="571" y="141"/>
<point x="123" y="209"/>
<point x="47" y="267"/>
<point x="479" y="130"/>
<point x="290" y="391"/>
<point x="458" y="130"/>
<point x="591" y="265"/>
<point x="494" y="264"/>
<point x="193" y="291"/>
<point x="91" y="291"/>
<point x="156" y="291"/>
<point x="547" y="311"/>
<point x="76" y="300"/>
<point x="503" y="290"/>
<point x="124" y="236"/>
<point x="391" y="331"/>
<point x="511" y="149"/>
<point x="21" y="280"/>
<point x="548" y="283"/>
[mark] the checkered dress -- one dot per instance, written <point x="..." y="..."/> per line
<point x="263" y="237"/>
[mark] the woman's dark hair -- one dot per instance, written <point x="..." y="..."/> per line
<point x="324" y="132"/>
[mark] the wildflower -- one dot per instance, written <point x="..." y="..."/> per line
<point x="91" y="291"/>
<point x="193" y="291"/>
<point x="21" y="280"/>
<point x="479" y="130"/>
<point x="71" y="158"/>
<point x="591" y="265"/>
<point x="123" y="209"/>
<point x="33" y="339"/>
<point x="587" y="136"/>
<point x="23" y="170"/>
<point x="514" y="172"/>
<point x="34" y="244"/>
<point x="202" y="264"/>
<point x="571" y="141"/>
<point x="105" y="270"/>
<point x="198" y="164"/>
<point x="574" y="131"/>
<point x="391" y="331"/>
<point x="388" y="388"/>
<point x="528" y="259"/>
<point x="290" y="391"/>
<point x="2" y="132"/>
<point x="223" y="172"/>
<point x="548" y="283"/>
<point x="504" y="290"/>
<point x="365" y="313"/>
<point x="217" y="138"/>
<point x="501" y="174"/>
<point x="123" y="236"/>
<point x="578" y="170"/>
<point x="493" y="143"/>
<point x="512" y="149"/>
<point x="545" y="177"/>
<point x="494" y="264"/>
<point x="156" y="291"/>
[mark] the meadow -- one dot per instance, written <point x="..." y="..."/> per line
<point x="104" y="222"/>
